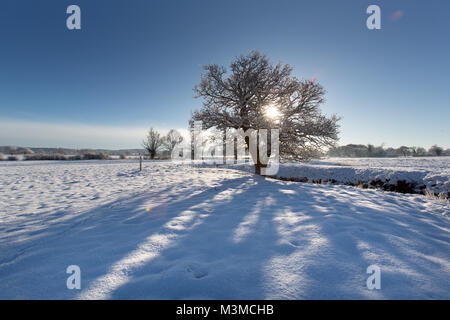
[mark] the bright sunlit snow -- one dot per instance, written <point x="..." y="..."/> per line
<point x="178" y="232"/>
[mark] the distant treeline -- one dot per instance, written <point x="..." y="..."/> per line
<point x="360" y="151"/>
<point x="66" y="151"/>
<point x="349" y="151"/>
<point x="13" y="150"/>
<point x="56" y="156"/>
<point x="13" y="153"/>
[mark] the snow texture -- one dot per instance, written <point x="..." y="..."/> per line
<point x="175" y="231"/>
<point x="428" y="174"/>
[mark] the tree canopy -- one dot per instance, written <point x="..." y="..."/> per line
<point x="256" y="94"/>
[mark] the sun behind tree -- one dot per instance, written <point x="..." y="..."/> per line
<point x="256" y="94"/>
<point x="272" y="113"/>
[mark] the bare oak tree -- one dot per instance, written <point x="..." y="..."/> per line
<point x="152" y="142"/>
<point x="240" y="100"/>
<point x="172" y="138"/>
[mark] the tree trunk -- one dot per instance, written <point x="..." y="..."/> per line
<point x="256" y="159"/>
<point x="258" y="167"/>
<point x="192" y="143"/>
<point x="224" y="146"/>
<point x="258" y="164"/>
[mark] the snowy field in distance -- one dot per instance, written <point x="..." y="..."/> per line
<point x="178" y="232"/>
<point x="430" y="173"/>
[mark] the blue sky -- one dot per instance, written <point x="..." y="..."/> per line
<point x="134" y="64"/>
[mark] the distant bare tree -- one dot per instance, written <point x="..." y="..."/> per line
<point x="418" y="151"/>
<point x="370" y="149"/>
<point x="240" y="100"/>
<point x="421" y="151"/>
<point x="172" y="138"/>
<point x="436" y="151"/>
<point x="404" y="151"/>
<point x="152" y="142"/>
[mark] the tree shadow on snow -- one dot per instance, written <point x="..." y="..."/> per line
<point x="248" y="238"/>
<point x="265" y="239"/>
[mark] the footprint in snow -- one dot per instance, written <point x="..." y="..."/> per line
<point x="298" y="243"/>
<point x="197" y="271"/>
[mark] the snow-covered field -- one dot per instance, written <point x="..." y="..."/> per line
<point x="175" y="231"/>
<point x="429" y="175"/>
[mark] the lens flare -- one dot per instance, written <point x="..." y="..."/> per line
<point x="155" y="204"/>
<point x="397" y="15"/>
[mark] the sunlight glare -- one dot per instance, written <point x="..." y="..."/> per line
<point x="272" y="112"/>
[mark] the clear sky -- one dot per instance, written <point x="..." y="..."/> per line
<point x="134" y="64"/>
